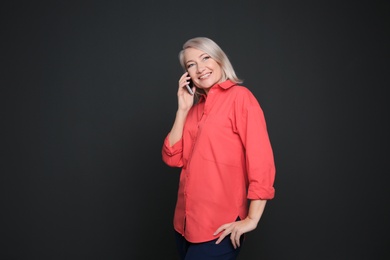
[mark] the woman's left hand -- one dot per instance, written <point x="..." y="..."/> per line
<point x="235" y="229"/>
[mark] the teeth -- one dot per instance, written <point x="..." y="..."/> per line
<point x="205" y="75"/>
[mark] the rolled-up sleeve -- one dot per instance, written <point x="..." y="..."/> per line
<point x="172" y="155"/>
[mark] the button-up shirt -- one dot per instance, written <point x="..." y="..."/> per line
<point x="226" y="158"/>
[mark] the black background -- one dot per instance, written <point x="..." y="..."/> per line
<point x="88" y="93"/>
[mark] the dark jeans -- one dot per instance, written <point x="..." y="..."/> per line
<point x="207" y="250"/>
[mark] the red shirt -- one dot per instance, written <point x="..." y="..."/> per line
<point x="226" y="158"/>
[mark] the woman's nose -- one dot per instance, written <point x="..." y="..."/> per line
<point x="199" y="69"/>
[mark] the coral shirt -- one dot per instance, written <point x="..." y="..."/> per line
<point x="226" y="158"/>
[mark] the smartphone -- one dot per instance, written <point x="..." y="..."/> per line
<point x="189" y="87"/>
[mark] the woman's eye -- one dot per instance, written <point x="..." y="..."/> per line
<point x="190" y="65"/>
<point x="206" y="57"/>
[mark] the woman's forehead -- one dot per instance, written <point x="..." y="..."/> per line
<point x="193" y="53"/>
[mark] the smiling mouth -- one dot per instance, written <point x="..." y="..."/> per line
<point x="205" y="75"/>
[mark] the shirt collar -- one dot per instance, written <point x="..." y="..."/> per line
<point x="226" y="84"/>
<point x="223" y="85"/>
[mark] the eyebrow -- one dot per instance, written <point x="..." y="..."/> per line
<point x="198" y="57"/>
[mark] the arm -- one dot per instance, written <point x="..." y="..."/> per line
<point x="177" y="129"/>
<point x="251" y="127"/>
<point x="185" y="102"/>
<point x="172" y="147"/>
<point x="237" y="228"/>
<point x="256" y="209"/>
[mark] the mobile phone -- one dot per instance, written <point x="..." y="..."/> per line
<point x="189" y="87"/>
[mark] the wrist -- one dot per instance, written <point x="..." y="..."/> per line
<point x="182" y="112"/>
<point x="253" y="220"/>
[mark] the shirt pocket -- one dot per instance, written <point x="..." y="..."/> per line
<point x="221" y="145"/>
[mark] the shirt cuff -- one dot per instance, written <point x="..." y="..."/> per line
<point x="261" y="194"/>
<point x="174" y="149"/>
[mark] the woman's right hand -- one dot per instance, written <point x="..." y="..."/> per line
<point x="185" y="99"/>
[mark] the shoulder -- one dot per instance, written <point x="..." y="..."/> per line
<point x="240" y="89"/>
<point x="242" y="94"/>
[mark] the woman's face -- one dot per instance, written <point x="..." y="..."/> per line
<point x="203" y="70"/>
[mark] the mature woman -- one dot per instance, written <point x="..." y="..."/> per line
<point x="219" y="139"/>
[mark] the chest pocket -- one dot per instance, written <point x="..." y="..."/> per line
<point x="220" y="144"/>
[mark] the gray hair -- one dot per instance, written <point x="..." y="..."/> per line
<point x="216" y="53"/>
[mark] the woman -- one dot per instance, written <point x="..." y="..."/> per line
<point x="222" y="145"/>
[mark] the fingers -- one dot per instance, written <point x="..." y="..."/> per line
<point x="184" y="80"/>
<point x="221" y="228"/>
<point x="235" y="239"/>
<point x="185" y="98"/>
<point x="224" y="234"/>
<point x="234" y="229"/>
<point x="220" y="239"/>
